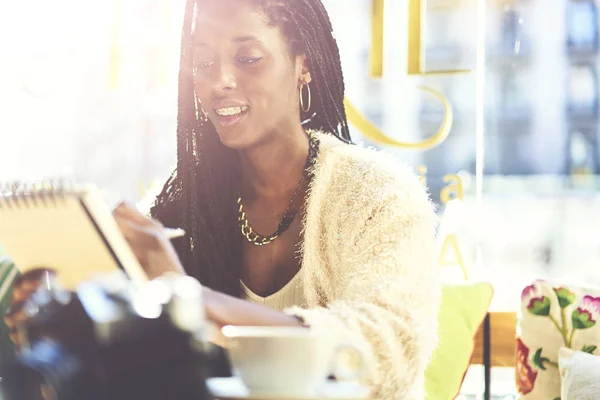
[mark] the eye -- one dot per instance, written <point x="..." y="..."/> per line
<point x="249" y="60"/>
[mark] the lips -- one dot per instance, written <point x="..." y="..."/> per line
<point x="227" y="103"/>
<point x="229" y="112"/>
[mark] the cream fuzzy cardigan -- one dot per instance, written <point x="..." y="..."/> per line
<point x="369" y="270"/>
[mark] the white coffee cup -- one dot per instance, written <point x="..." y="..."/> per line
<point x="287" y="360"/>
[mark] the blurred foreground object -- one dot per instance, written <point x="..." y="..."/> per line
<point x="106" y="341"/>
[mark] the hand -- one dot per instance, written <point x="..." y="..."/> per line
<point x="23" y="289"/>
<point x="146" y="238"/>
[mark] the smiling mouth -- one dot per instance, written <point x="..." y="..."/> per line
<point x="231" y="111"/>
<point x="229" y="116"/>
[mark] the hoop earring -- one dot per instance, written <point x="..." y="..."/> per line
<point x="305" y="109"/>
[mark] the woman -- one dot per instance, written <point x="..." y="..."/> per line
<point x="288" y="224"/>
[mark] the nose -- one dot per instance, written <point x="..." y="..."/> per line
<point x="224" y="78"/>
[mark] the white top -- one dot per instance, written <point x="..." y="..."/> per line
<point x="288" y="296"/>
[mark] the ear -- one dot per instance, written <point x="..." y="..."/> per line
<point x="303" y="69"/>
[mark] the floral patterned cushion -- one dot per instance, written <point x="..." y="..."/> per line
<point x="553" y="316"/>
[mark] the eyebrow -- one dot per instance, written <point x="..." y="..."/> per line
<point x="242" y="39"/>
<point x="238" y="39"/>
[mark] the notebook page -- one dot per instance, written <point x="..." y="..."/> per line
<point x="55" y="233"/>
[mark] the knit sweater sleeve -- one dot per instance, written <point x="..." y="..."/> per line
<point x="387" y="294"/>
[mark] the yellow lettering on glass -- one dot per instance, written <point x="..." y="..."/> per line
<point x="451" y="245"/>
<point x="415" y="67"/>
<point x="454" y="190"/>
<point x="377" y="28"/>
<point x="416" y="48"/>
<point x="369" y="130"/>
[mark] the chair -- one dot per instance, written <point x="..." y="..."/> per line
<point x="495" y="344"/>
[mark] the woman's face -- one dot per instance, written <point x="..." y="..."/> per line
<point x="246" y="78"/>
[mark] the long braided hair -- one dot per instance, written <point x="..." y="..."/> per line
<point x="201" y="195"/>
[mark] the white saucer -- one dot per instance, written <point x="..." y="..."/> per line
<point x="234" y="389"/>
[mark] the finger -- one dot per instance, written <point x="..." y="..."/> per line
<point x="127" y="228"/>
<point x="140" y="238"/>
<point x="133" y="214"/>
<point x="132" y="231"/>
<point x="136" y="237"/>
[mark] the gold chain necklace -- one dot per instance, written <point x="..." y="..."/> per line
<point x="289" y="214"/>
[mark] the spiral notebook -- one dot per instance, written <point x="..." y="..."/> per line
<point x="70" y="231"/>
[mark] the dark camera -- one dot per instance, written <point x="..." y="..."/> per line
<point x="106" y="341"/>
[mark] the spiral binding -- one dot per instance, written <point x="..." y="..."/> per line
<point x="19" y="194"/>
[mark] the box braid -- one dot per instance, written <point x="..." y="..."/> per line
<point x="200" y="196"/>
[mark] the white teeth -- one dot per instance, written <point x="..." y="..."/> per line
<point x="230" y="111"/>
